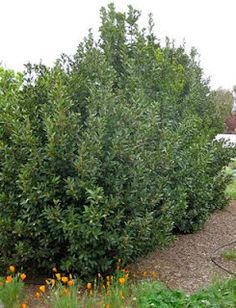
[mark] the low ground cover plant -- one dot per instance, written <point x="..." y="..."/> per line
<point x="221" y="294"/>
<point x="114" y="291"/>
<point x="107" y="153"/>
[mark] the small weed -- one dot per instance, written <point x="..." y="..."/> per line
<point x="229" y="254"/>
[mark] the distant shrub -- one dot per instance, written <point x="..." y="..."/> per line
<point x="106" y="153"/>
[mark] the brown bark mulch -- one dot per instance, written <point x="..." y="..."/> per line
<point x="187" y="264"/>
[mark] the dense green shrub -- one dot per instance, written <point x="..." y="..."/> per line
<point x="108" y="152"/>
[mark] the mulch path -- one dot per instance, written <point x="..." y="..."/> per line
<point x="187" y="264"/>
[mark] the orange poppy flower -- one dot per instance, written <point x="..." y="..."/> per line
<point x="64" y="279"/>
<point x="70" y="283"/>
<point x="22" y="276"/>
<point x="42" y="288"/>
<point x="12" y="268"/>
<point x="89" y="286"/>
<point x="122" y="280"/>
<point x="8" y="279"/>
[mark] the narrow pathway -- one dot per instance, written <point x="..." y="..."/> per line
<point x="187" y="264"/>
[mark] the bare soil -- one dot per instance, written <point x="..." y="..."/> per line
<point x="187" y="263"/>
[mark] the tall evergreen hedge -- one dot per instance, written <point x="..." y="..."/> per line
<point x="106" y="154"/>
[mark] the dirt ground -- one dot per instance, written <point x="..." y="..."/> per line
<point x="187" y="264"/>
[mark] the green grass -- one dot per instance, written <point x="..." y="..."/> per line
<point x="219" y="295"/>
<point x="60" y="300"/>
<point x="11" y="294"/>
<point x="229" y="254"/>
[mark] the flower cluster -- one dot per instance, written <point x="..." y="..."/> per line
<point x="12" y="283"/>
<point x="67" y="286"/>
<point x="58" y="281"/>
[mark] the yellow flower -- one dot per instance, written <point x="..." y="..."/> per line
<point x="12" y="268"/>
<point x="51" y="282"/>
<point x="8" y="279"/>
<point x="70" y="276"/>
<point x="89" y="286"/>
<point x="23" y="306"/>
<point x="37" y="295"/>
<point x="122" y="280"/>
<point x="108" y="278"/>
<point x="58" y="275"/>
<point x="22" y="276"/>
<point x="107" y="306"/>
<point x="54" y="269"/>
<point x="42" y="288"/>
<point x="70" y="283"/>
<point x="64" y="279"/>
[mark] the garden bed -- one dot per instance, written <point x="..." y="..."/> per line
<point x="187" y="264"/>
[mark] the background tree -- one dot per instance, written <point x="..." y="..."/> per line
<point x="223" y="99"/>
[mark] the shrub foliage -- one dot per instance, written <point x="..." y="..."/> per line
<point x="106" y="154"/>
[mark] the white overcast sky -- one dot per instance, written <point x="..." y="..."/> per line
<point x="31" y="30"/>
